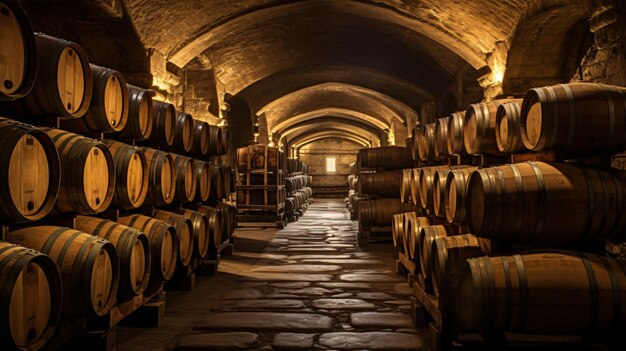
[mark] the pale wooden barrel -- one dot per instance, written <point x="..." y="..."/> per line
<point x="508" y="128"/>
<point x="426" y="238"/>
<point x="397" y="231"/>
<point x="89" y="266"/>
<point x="414" y="142"/>
<point x="426" y="142"/>
<point x="546" y="203"/>
<point x="202" y="138"/>
<point x="479" y="127"/>
<point x="31" y="296"/>
<point x="185" y="178"/>
<point x="18" y="50"/>
<point x="385" y="157"/>
<point x="440" y="180"/>
<point x="215" y="229"/>
<point x="405" y="187"/>
<point x="455" y="194"/>
<point x="185" y="133"/>
<point x="579" y="118"/>
<point x="380" y="211"/>
<point x="456" y="145"/>
<point x="133" y="250"/>
<point x="33" y="172"/>
<point x="544" y="292"/>
<point x="415" y="187"/>
<point x="203" y="180"/>
<point x="426" y="185"/>
<point x="201" y="232"/>
<point x="215" y="140"/>
<point x="183" y="228"/>
<point x="164" y="124"/>
<point x="385" y="183"/>
<point x="132" y="175"/>
<point x="163" y="248"/>
<point x="87" y="176"/>
<point x="63" y="85"/>
<point x="441" y="137"/>
<point x="161" y="177"/>
<point x="140" y="114"/>
<point x="413" y="228"/>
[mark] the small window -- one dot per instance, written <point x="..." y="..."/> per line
<point x="330" y="165"/>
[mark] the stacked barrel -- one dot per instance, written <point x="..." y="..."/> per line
<point x="298" y="188"/>
<point x="87" y="150"/>
<point x="543" y="223"/>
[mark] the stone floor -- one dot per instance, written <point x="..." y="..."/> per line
<point x="306" y="287"/>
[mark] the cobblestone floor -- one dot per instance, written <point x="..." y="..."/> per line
<point x="306" y="287"/>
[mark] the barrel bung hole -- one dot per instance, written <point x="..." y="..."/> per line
<point x="97" y="201"/>
<point x="99" y="303"/>
<point x="30" y="205"/>
<point x="32" y="333"/>
<point x="113" y="123"/>
<point x="69" y="105"/>
<point x="8" y="84"/>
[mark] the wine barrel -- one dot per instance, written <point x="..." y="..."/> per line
<point x="217" y="184"/>
<point x="140" y="114"/>
<point x="397" y="231"/>
<point x="163" y="248"/>
<point x="426" y="142"/>
<point x="290" y="205"/>
<point x="185" y="178"/>
<point x="578" y="118"/>
<point x="164" y="124"/>
<point x="203" y="181"/>
<point x="161" y="177"/>
<point x="131" y="173"/>
<point x="225" y="141"/>
<point x="441" y="137"/>
<point x="133" y="249"/>
<point x="215" y="140"/>
<point x="215" y="229"/>
<point x="183" y="227"/>
<point x="405" y="188"/>
<point x="508" y="127"/>
<point x="386" y="157"/>
<point x="108" y="111"/>
<point x="455" y="194"/>
<point x="201" y="233"/>
<point x="63" y="84"/>
<point x="258" y="157"/>
<point x="413" y="229"/>
<point x="30" y="187"/>
<point x="202" y="138"/>
<point x="426" y="238"/>
<point x="415" y="187"/>
<point x="414" y="142"/>
<point x="380" y="211"/>
<point x="185" y="133"/>
<point x="439" y="189"/>
<point x="229" y="219"/>
<point x="479" y="127"/>
<point x="426" y="185"/>
<point x="456" y="144"/>
<point x="19" y="52"/>
<point x="30" y="290"/>
<point x="227" y="180"/>
<point x="89" y="266"/>
<point x="544" y="292"/>
<point x="88" y="173"/>
<point x="386" y="183"/>
<point x="546" y="204"/>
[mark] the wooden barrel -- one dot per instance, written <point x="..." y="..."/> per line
<point x="290" y="205"/>
<point x="140" y="114"/>
<point x="215" y="140"/>
<point x="89" y="266"/>
<point x="30" y="290"/>
<point x="202" y="138"/>
<point x="215" y="229"/>
<point x="258" y="157"/>
<point x="439" y="191"/>
<point x="426" y="142"/>
<point x="380" y="211"/>
<point x="185" y="133"/>
<point x="133" y="250"/>
<point x="163" y="248"/>
<point x="108" y="111"/>
<point x="203" y="180"/>
<point x="87" y="176"/>
<point x="19" y="52"/>
<point x="229" y="219"/>
<point x="508" y="128"/>
<point x="455" y="194"/>
<point x="30" y="187"/>
<point x="397" y="231"/>
<point x="456" y="145"/>
<point x="131" y="173"/>
<point x="161" y="177"/>
<point x="217" y="184"/>
<point x="415" y="187"/>
<point x="227" y="181"/>
<point x="223" y="145"/>
<point x="426" y="185"/>
<point x="426" y="238"/>
<point x="201" y="232"/>
<point x="405" y="187"/>
<point x="413" y="229"/>
<point x="63" y="84"/>
<point x="544" y="292"/>
<point x="386" y="157"/>
<point x="183" y="227"/>
<point x="546" y="204"/>
<point x="579" y="118"/>
<point x="441" y="137"/>
<point x="164" y="124"/>
<point x="186" y="181"/>
<point x="386" y="183"/>
<point x="479" y="127"/>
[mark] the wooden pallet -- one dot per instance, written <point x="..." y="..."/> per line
<point x="121" y="311"/>
<point x="406" y="268"/>
<point x="374" y="235"/>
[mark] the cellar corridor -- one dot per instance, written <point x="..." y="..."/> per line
<point x="308" y="286"/>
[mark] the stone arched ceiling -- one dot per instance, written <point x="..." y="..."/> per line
<point x="305" y="140"/>
<point x="339" y="115"/>
<point x="305" y="129"/>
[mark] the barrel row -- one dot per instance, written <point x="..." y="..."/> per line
<point x="295" y="165"/>
<point x="298" y="201"/>
<point x="295" y="183"/>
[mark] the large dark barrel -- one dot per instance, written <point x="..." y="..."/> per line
<point x="161" y="177"/>
<point x="579" y="118"/>
<point x="508" y="127"/>
<point x="133" y="250"/>
<point x="30" y="291"/>
<point x="185" y="133"/>
<point x="479" y="127"/>
<point x="546" y="203"/>
<point x="163" y="248"/>
<point x="183" y="227"/>
<point x="203" y="180"/>
<point x="225" y="141"/>
<point x="63" y="84"/>
<point x="215" y="228"/>
<point x="229" y="219"/>
<point x="217" y="184"/>
<point x="18" y="50"/>
<point x="202" y="138"/>
<point x="456" y="145"/>
<point x="543" y="292"/>
<point x="87" y="173"/>
<point x="131" y="173"/>
<point x="140" y="114"/>
<point x="455" y="194"/>
<point x="441" y="137"/>
<point x="215" y="140"/>
<point x="227" y="178"/>
<point x="186" y="181"/>
<point x="387" y="183"/>
<point x="379" y="212"/>
<point x="164" y="125"/>
<point x="89" y="266"/>
<point x="33" y="172"/>
<point x="426" y="142"/>
<point x="201" y="233"/>
<point x="386" y="157"/>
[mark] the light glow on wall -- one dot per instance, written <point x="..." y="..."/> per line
<point x="331" y="166"/>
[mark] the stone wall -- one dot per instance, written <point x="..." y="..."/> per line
<point x="315" y="155"/>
